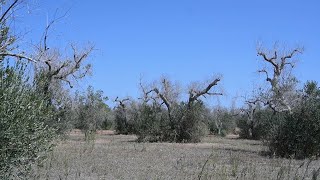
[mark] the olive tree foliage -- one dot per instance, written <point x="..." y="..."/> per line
<point x="24" y="136"/>
<point x="281" y="94"/>
<point x="25" y="139"/>
<point x="298" y="135"/>
<point x="90" y="112"/>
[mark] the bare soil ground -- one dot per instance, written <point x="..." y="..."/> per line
<point x="120" y="157"/>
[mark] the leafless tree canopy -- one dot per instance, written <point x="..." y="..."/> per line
<point x="278" y="78"/>
<point x="166" y="91"/>
<point x="168" y="95"/>
<point x="56" y="67"/>
<point x="194" y="94"/>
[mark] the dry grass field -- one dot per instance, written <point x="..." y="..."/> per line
<point x="120" y="157"/>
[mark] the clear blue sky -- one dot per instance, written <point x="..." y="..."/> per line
<point x="187" y="40"/>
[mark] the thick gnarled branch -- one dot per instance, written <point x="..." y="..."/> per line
<point x="18" y="56"/>
<point x="269" y="59"/>
<point x="194" y="95"/>
<point x="64" y="69"/>
<point x="163" y="98"/>
<point x="167" y="92"/>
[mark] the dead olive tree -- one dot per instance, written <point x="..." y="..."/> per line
<point x="184" y="118"/>
<point x="168" y="94"/>
<point x="192" y="125"/>
<point x="55" y="72"/>
<point x="55" y="68"/>
<point x="154" y="119"/>
<point x="279" y="78"/>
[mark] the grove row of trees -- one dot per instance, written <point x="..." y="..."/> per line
<point x="38" y="106"/>
<point x="159" y="115"/>
<point x="280" y="114"/>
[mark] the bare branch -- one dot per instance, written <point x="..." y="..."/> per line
<point x="215" y="94"/>
<point x="67" y="81"/>
<point x="45" y="34"/>
<point x="272" y="106"/>
<point x="270" y="60"/>
<point x="49" y="65"/>
<point x="163" y="98"/>
<point x="61" y="68"/>
<point x="57" y="71"/>
<point x="3" y="16"/>
<point x="19" y="56"/>
<point x="289" y="56"/>
<point x="145" y="93"/>
<point x="68" y="68"/>
<point x="289" y="63"/>
<point x="166" y="92"/>
<point x="193" y="95"/>
<point x="78" y="60"/>
<point x="266" y="72"/>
